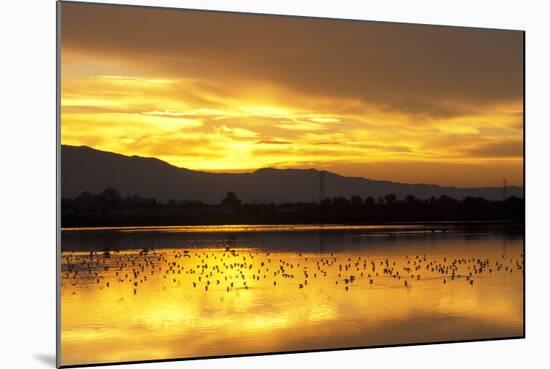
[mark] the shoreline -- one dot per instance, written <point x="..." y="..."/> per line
<point x="297" y="226"/>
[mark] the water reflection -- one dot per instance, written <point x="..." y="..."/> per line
<point x="176" y="294"/>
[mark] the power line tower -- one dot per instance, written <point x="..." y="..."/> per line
<point x="504" y="190"/>
<point x="321" y="186"/>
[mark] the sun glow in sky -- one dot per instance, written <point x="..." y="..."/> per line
<point x="228" y="92"/>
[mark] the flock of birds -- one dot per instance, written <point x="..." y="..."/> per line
<point x="232" y="269"/>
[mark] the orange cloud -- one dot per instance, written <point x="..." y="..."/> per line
<point x="168" y="89"/>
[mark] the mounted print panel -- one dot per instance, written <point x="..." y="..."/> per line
<point x="243" y="184"/>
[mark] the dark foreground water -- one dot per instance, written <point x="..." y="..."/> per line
<point x="178" y="292"/>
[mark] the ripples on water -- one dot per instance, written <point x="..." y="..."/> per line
<point x="146" y="293"/>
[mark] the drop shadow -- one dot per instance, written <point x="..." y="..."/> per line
<point x="48" y="359"/>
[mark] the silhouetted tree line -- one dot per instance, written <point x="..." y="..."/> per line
<point x="109" y="208"/>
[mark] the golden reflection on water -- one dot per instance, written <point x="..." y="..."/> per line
<point x="235" y="228"/>
<point x="179" y="303"/>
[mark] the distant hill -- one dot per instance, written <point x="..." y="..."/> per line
<point x="87" y="169"/>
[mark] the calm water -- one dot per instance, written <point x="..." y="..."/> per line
<point x="178" y="292"/>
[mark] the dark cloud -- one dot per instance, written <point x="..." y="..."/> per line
<point x="419" y="70"/>
<point x="502" y="149"/>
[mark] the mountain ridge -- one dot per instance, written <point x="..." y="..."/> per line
<point x="87" y="169"/>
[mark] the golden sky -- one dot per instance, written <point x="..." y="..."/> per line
<point x="232" y="92"/>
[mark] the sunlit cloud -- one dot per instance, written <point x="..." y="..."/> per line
<point x="163" y="122"/>
<point x="168" y="113"/>
<point x="324" y="120"/>
<point x="273" y="142"/>
<point x="301" y="126"/>
<point x="214" y="108"/>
